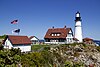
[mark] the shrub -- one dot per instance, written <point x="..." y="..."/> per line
<point x="78" y="50"/>
<point x="76" y="54"/>
<point x="68" y="64"/>
<point x="78" y="64"/>
<point x="47" y="48"/>
<point x="1" y="47"/>
<point x="84" y="45"/>
<point x="9" y="58"/>
<point x="98" y="48"/>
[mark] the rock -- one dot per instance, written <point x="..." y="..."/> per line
<point x="78" y="50"/>
<point x="91" y="65"/>
<point x="69" y="52"/>
<point x="87" y="55"/>
<point x="77" y="46"/>
<point x="75" y="59"/>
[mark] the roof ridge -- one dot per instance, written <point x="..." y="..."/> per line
<point x="59" y="28"/>
<point x="17" y="35"/>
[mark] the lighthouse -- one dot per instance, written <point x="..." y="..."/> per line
<point x="78" y="27"/>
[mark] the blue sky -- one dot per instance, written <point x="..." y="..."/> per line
<point x="36" y="16"/>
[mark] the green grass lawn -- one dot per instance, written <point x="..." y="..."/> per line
<point x="37" y="47"/>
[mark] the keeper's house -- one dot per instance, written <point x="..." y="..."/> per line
<point x="59" y="36"/>
<point x="22" y="42"/>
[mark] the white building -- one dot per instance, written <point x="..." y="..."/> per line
<point x="34" y="40"/>
<point x="22" y="42"/>
<point x="59" y="36"/>
<point x="78" y="27"/>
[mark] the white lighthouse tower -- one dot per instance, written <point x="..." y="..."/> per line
<point x="78" y="27"/>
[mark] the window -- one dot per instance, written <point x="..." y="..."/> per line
<point x="69" y="35"/>
<point x="55" y="34"/>
<point x="58" y="34"/>
<point x="52" y="34"/>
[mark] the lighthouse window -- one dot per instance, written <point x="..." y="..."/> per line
<point x="70" y="39"/>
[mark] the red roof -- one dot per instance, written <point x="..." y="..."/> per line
<point x="88" y="39"/>
<point x="33" y="37"/>
<point x="19" y="39"/>
<point x="75" y="39"/>
<point x="62" y="31"/>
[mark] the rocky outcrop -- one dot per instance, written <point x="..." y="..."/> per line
<point x="87" y="55"/>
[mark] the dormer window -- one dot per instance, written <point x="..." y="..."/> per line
<point x="52" y="35"/>
<point x="55" y="34"/>
<point x="58" y="34"/>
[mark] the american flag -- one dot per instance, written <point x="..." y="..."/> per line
<point x="14" y="22"/>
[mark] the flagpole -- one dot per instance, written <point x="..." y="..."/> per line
<point x="18" y="33"/>
<point x="17" y="27"/>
